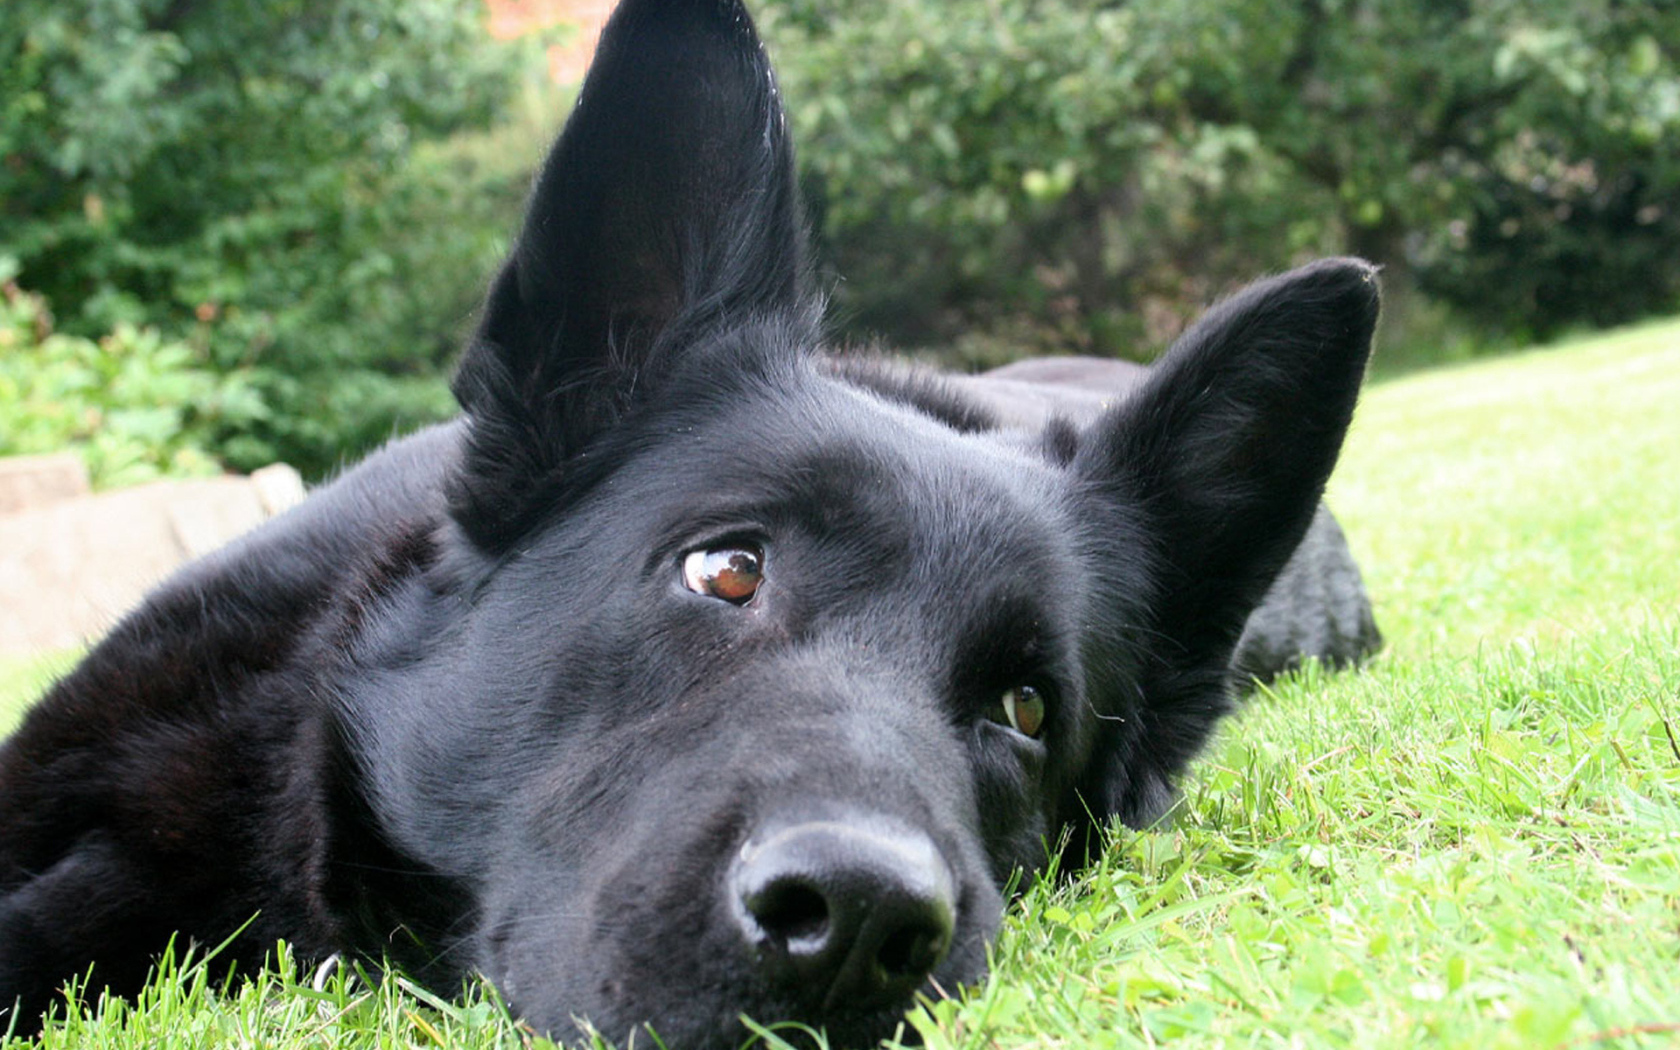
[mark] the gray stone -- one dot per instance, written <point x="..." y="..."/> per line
<point x="70" y="568"/>
<point x="37" y="481"/>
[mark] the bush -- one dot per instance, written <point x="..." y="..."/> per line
<point x="1012" y="167"/>
<point x="136" y="406"/>
<point x="1083" y="174"/>
<point x="250" y="179"/>
<point x="372" y="356"/>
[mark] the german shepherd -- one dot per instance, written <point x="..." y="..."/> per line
<point x="691" y="673"/>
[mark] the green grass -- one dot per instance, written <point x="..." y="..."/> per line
<point x="22" y="679"/>
<point x="1474" y="843"/>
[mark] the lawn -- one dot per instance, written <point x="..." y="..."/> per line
<point x="1474" y="843"/>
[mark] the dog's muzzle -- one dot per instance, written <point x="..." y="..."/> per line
<point x="851" y="913"/>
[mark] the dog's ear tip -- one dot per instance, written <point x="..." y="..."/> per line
<point x="1333" y="302"/>
<point x="722" y="10"/>
<point x="1352" y="283"/>
<point x="726" y="14"/>
<point x="1345" y="274"/>
<point x="1351" y="265"/>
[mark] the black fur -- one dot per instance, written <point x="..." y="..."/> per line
<point x="461" y="711"/>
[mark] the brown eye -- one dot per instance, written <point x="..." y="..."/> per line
<point x="730" y="573"/>
<point x="1021" y="709"/>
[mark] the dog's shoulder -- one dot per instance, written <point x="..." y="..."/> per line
<point x="184" y="763"/>
<point x="187" y="655"/>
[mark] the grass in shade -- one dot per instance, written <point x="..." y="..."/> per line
<point x="1473" y="843"/>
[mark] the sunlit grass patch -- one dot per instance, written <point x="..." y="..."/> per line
<point x="24" y="678"/>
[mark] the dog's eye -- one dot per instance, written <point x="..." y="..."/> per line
<point x="1021" y="709"/>
<point x="731" y="573"/>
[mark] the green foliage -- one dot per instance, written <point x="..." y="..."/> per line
<point x="135" y="404"/>
<point x="1085" y="173"/>
<point x="244" y="177"/>
<point x="985" y="164"/>
<point x="306" y="193"/>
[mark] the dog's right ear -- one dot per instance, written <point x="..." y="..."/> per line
<point x="667" y="208"/>
<point x="1219" y="459"/>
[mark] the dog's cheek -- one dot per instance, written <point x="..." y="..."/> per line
<point x="623" y="944"/>
<point x="1009" y="788"/>
<point x="533" y="946"/>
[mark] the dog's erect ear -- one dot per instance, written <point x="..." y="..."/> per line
<point x="1224" y="454"/>
<point x="667" y="207"/>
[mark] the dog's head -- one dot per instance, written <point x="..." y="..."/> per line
<point x="745" y="684"/>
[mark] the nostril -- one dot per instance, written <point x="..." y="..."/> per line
<point x="911" y="952"/>
<point x="790" y="910"/>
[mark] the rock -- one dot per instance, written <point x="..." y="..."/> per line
<point x="37" y="481"/>
<point x="70" y="567"/>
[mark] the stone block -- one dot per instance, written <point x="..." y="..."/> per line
<point x="70" y="568"/>
<point x="37" y="481"/>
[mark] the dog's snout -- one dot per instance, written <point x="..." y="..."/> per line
<point x="852" y="914"/>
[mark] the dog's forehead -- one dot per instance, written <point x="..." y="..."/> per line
<point x="834" y="456"/>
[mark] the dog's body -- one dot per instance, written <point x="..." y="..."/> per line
<point x="691" y="674"/>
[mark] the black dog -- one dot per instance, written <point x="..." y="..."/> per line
<point x="689" y="674"/>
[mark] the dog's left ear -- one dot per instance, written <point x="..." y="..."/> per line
<point x="1220" y="460"/>
<point x="668" y="206"/>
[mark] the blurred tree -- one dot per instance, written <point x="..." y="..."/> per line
<point x="1520" y="157"/>
<point x="1084" y="172"/>
<point x="237" y="175"/>
<point x="269" y="185"/>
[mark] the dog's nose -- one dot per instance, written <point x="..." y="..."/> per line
<point x="853" y="914"/>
